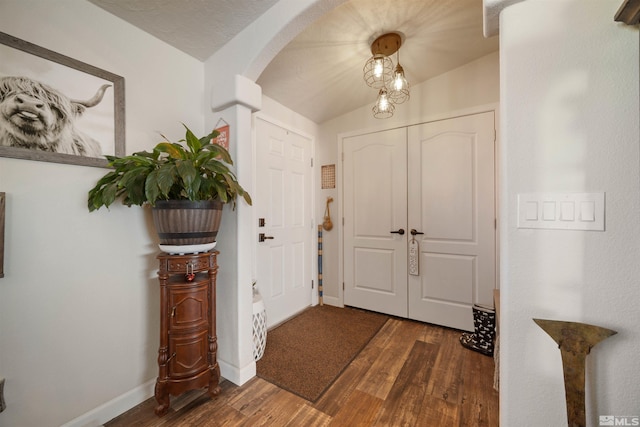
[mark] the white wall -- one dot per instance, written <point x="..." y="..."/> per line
<point x="279" y="114"/>
<point x="461" y="90"/>
<point x="569" y="114"/>
<point x="79" y="301"/>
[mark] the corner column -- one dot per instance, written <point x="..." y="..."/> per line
<point x="234" y="101"/>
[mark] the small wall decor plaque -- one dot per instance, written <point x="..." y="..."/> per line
<point x="328" y="176"/>
<point x="223" y="138"/>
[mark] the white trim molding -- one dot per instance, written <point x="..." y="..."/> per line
<point x="491" y="15"/>
<point x="114" y="407"/>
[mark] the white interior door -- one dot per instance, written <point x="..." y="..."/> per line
<point x="437" y="179"/>
<point x="283" y="200"/>
<point x="375" y="206"/>
<point x="451" y="200"/>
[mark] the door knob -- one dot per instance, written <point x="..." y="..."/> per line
<point x="262" y="237"/>
<point x="414" y="232"/>
<point x="400" y="232"/>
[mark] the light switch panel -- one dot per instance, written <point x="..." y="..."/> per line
<point x="561" y="211"/>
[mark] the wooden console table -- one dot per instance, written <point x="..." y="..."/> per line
<point x="188" y="342"/>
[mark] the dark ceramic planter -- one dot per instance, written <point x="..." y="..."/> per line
<point x="183" y="222"/>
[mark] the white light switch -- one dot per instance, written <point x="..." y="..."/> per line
<point x="561" y="211"/>
<point x="568" y="211"/>
<point x="531" y="211"/>
<point x="549" y="211"/>
<point x="587" y="211"/>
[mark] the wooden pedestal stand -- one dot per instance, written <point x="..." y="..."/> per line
<point x="188" y="342"/>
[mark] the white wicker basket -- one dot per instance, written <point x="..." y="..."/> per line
<point x="259" y="327"/>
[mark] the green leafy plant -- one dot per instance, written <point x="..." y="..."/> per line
<point x="197" y="170"/>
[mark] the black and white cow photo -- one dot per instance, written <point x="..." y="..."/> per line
<point x="36" y="116"/>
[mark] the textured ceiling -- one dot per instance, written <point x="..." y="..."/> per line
<point x="196" y="27"/>
<point x="319" y="73"/>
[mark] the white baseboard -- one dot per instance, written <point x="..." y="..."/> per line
<point x="109" y="410"/>
<point x="103" y="413"/>
<point x="236" y="375"/>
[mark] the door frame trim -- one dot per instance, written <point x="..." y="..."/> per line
<point x="493" y="107"/>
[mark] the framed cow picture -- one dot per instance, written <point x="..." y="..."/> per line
<point x="54" y="108"/>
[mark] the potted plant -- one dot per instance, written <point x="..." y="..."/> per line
<point x="186" y="185"/>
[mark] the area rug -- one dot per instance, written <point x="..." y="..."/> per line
<point x="307" y="353"/>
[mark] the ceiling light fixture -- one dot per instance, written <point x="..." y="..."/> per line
<point x="384" y="107"/>
<point x="379" y="73"/>
<point x="399" y="92"/>
<point x="377" y="70"/>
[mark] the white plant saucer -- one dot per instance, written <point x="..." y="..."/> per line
<point x="187" y="249"/>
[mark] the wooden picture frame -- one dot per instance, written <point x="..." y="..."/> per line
<point x="2" y="204"/>
<point x="102" y="123"/>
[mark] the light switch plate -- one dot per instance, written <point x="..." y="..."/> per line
<point x="562" y="211"/>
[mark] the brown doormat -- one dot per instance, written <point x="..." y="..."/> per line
<point x="308" y="352"/>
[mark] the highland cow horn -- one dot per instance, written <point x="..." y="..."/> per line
<point x="96" y="98"/>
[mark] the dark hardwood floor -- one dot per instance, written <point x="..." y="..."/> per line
<point x="410" y="374"/>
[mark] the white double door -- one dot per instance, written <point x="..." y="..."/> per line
<point x="419" y="220"/>
<point x="282" y="202"/>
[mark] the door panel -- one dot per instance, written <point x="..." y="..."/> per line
<point x="451" y="200"/>
<point x="375" y="266"/>
<point x="446" y="168"/>
<point x="448" y="277"/>
<point x="283" y="199"/>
